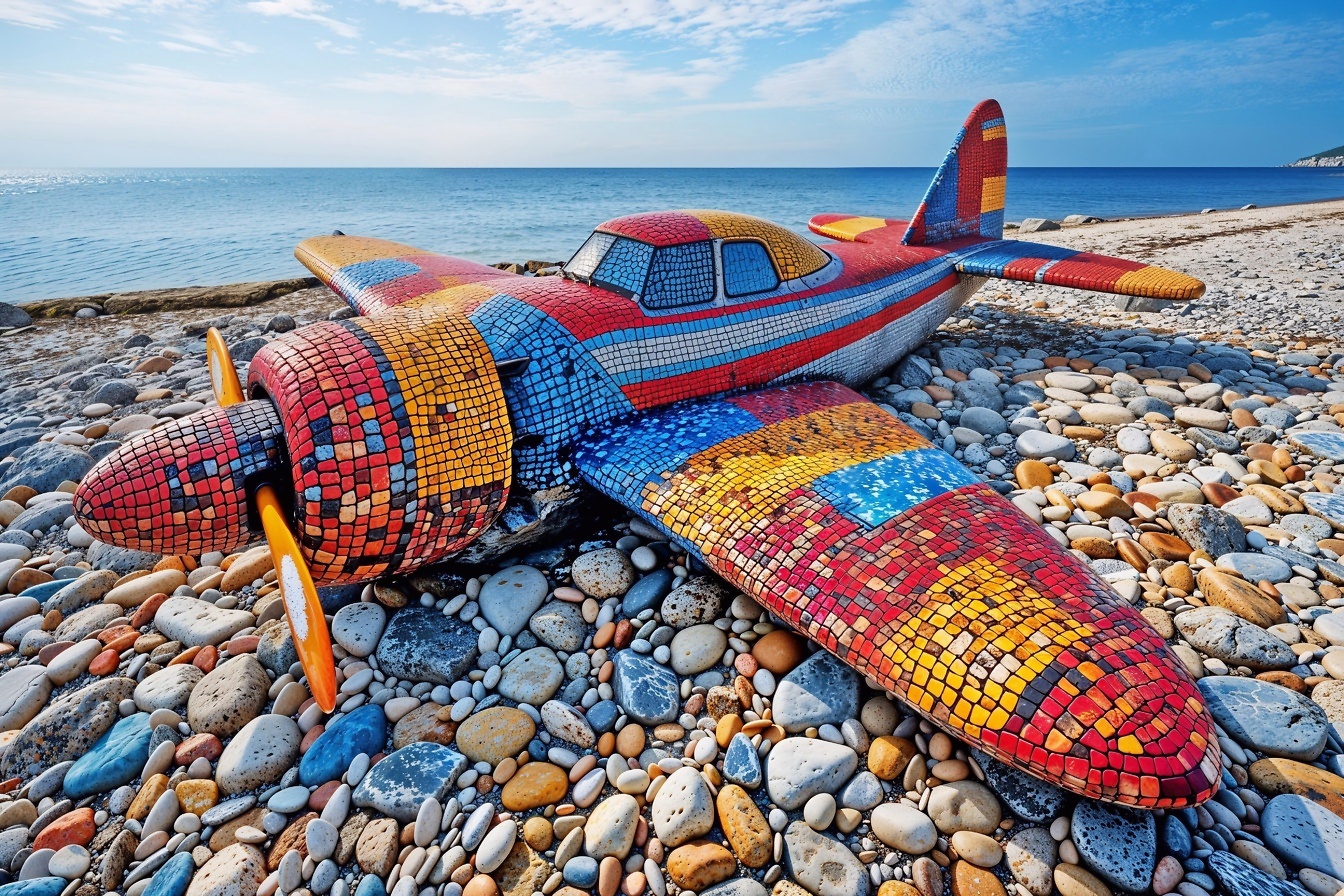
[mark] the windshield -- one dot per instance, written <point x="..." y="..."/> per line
<point x="615" y="263"/>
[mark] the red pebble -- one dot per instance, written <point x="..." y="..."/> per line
<point x="746" y="664"/>
<point x="196" y="746"/>
<point x="108" y="635"/>
<point x="105" y="663"/>
<point x="625" y="633"/>
<point x="144" y="614"/>
<point x="10" y="785"/>
<point x="207" y="658"/>
<point x="73" y="827"/>
<point x="319" y="798"/>
<point x="125" y="641"/>
<point x="313" y="734"/>
<point x="184" y="657"/>
<point x="53" y="650"/>
<point x="245" y="644"/>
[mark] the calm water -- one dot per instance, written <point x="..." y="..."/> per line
<point x="78" y="232"/>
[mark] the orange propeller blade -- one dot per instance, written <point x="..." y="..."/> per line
<point x="307" y="623"/>
<point x="223" y="375"/>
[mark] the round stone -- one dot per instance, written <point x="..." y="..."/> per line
<point x="603" y="573"/>
<point x="510" y="597"/>
<point x="698" y="648"/>
<point x="494" y="734"/>
<point x="358" y="627"/>
<point x="904" y="827"/>
<point x="964" y="806"/>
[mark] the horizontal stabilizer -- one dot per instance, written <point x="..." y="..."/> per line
<point x="1058" y="266"/>
<point x="857" y="228"/>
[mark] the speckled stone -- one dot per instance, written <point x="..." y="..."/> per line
<point x="66" y="729"/>
<point x="1118" y="844"/>
<point x="1237" y="877"/>
<point x="1304" y="833"/>
<point x="422" y="644"/>
<point x="404" y="780"/>
<point x="1028" y="797"/>
<point x="822" y="690"/>
<point x="646" y="690"/>
<point x="1266" y="717"/>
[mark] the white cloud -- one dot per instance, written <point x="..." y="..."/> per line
<point x="311" y="10"/>
<point x="716" y="22"/>
<point x="31" y="14"/>
<point x="195" y="41"/>
<point x="576" y="78"/>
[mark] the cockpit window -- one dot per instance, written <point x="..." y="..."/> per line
<point x="747" y="269"/>
<point x="624" y="267"/>
<point x="586" y="260"/>
<point x="680" y="275"/>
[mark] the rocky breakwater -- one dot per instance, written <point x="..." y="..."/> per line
<point x="604" y="717"/>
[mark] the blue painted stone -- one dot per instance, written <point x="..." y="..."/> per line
<point x="603" y="716"/>
<point x="1328" y="507"/>
<point x="1266" y="717"/>
<point x="371" y="885"/>
<point x="115" y="759"/>
<point x="741" y="764"/>
<point x="1329" y="445"/>
<point x="173" y="878"/>
<point x="41" y="592"/>
<point x="1028" y="797"/>
<point x="1119" y="844"/>
<point x="1238" y="877"/>
<point x="38" y="886"/>
<point x="404" y="780"/>
<point x="362" y="731"/>
<point x="648" y="691"/>
<point x="1176" y="837"/>
<point x="647" y="593"/>
<point x="822" y="690"/>
<point x="581" y="871"/>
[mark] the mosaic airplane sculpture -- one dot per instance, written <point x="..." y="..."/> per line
<point x="696" y="367"/>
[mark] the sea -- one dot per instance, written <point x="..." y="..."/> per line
<point x="84" y="232"/>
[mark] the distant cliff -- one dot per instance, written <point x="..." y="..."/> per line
<point x="1331" y="158"/>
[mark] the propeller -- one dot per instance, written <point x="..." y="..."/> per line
<point x="303" y="610"/>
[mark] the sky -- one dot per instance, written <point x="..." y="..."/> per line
<point x="663" y="82"/>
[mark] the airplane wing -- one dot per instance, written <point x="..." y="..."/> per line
<point x="374" y="275"/>
<point x="893" y="556"/>
<point x="1057" y="266"/>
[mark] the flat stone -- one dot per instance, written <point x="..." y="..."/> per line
<point x="362" y="731"/>
<point x="1208" y="528"/>
<point x="603" y="573"/>
<point x="1031" y="856"/>
<point x="259" y="754"/>
<point x="424" y="724"/>
<point x="647" y="691"/>
<point x="647" y="593"/>
<point x="1266" y="717"/>
<point x="683" y="808"/>
<point x="1029" y="798"/>
<point x="823" y="865"/>
<point x="532" y="677"/>
<point x="405" y="779"/>
<point x="236" y="870"/>
<point x="821" y="691"/>
<point x="510" y="597"/>
<point x="168" y="688"/>
<point x="1255" y="567"/>
<point x="115" y="759"/>
<point x="699" y="601"/>
<point x="1035" y="445"/>
<point x="1237" y="877"/>
<point x="1304" y="833"/>
<point x="421" y="644"/>
<point x="535" y="784"/>
<point x="1241" y="597"/>
<point x="86" y="589"/>
<point x="23" y="692"/>
<point x="1119" y="844"/>
<point x="611" y="827"/>
<point x="1328" y="507"/>
<point x="229" y="696"/>
<point x="798" y="768"/>
<point x="964" y="806"/>
<point x="560" y="626"/>
<point x="1327" y="445"/>
<point x="66" y="729"/>
<point x="358" y="627"/>
<point x="1233" y="640"/>
<point x="494" y="734"/>
<point x="196" y="622"/>
<point x="700" y="865"/>
<point x="1275" y="776"/>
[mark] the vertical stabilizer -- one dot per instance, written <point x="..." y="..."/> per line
<point x="966" y="196"/>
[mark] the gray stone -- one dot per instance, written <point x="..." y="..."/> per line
<point x="961" y="359"/>
<point x="559" y="625"/>
<point x="422" y="644"/>
<point x="119" y="560"/>
<point x="1205" y="527"/>
<point x="1238" y="877"/>
<point x="511" y="596"/>
<point x="532" y="677"/>
<point x="1265" y="717"/>
<point x="1119" y="844"/>
<point x="741" y="763"/>
<point x="820" y="690"/>
<point x="1304" y="833"/>
<point x="1254" y="567"/>
<point x="698" y="601"/>
<point x="984" y="421"/>
<point x="1036" y="444"/>
<point x="66" y="729"/>
<point x="823" y="865"/>
<point x="45" y="465"/>
<point x="1222" y="634"/>
<point x="647" y="691"/>
<point x="401" y="782"/>
<point x="798" y="768"/>
<point x="23" y="692"/>
<point x="196" y="622"/>
<point x="81" y="592"/>
<point x="973" y="393"/>
<point x="1028" y="797"/>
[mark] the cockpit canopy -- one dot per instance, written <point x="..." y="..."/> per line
<point x="674" y="259"/>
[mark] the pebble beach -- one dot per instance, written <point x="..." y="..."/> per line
<point x="602" y="715"/>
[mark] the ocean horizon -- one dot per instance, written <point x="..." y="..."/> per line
<point x="69" y="232"/>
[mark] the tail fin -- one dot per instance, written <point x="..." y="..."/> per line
<point x="966" y="196"/>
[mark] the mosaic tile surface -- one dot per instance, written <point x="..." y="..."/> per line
<point x="849" y="525"/>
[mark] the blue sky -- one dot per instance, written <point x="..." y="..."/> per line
<point x="663" y="82"/>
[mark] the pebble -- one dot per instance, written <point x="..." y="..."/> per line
<point x="1266" y="717"/>
<point x="603" y="573"/>
<point x="798" y="768"/>
<point x="1304" y="833"/>
<point x="259" y="754"/>
<point x="964" y="806"/>
<point x="1031" y="856"/>
<point x="696" y="649"/>
<point x="683" y="808"/>
<point x="510" y="597"/>
<point x="357" y="628"/>
<point x="646" y="690"/>
<point x="820" y="691"/>
<point x="611" y="827"/>
<point x="822" y="865"/>
<point x="406" y="778"/>
<point x="904" y="828"/>
<point x="1119" y="844"/>
<point x="532" y="677"/>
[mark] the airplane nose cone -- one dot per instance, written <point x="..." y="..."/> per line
<point x="182" y="488"/>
